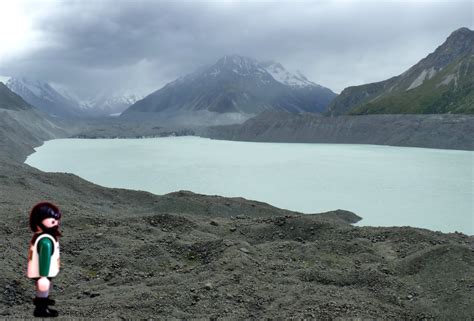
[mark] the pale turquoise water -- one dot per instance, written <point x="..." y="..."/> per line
<point x="387" y="186"/>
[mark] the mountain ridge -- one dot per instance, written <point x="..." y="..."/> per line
<point x="43" y="96"/>
<point x="439" y="83"/>
<point x="236" y="84"/>
<point x="58" y="101"/>
<point x="10" y="100"/>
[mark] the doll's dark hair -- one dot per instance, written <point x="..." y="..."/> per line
<point x="41" y="211"/>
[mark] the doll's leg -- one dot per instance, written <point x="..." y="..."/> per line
<point x="42" y="301"/>
<point x="42" y="287"/>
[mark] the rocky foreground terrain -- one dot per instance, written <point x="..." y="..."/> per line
<point x="135" y="255"/>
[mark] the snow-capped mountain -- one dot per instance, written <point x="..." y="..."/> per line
<point x="236" y="84"/>
<point x="10" y="100"/>
<point x="110" y="105"/>
<point x="44" y="97"/>
<point x="285" y="77"/>
<point x="59" y="101"/>
<point x="4" y="79"/>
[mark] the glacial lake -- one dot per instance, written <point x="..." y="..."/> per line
<point x="386" y="186"/>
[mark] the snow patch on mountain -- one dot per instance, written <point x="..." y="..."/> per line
<point x="4" y="79"/>
<point x="280" y="74"/>
<point x="26" y="85"/>
<point x="111" y="105"/>
<point x="57" y="99"/>
<point x="446" y="80"/>
<point x="42" y="90"/>
<point x="424" y="75"/>
<point x="70" y="95"/>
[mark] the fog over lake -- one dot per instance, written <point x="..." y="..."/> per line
<point x="386" y="186"/>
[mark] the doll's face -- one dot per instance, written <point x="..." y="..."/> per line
<point x="50" y="222"/>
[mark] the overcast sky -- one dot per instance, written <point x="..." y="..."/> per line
<point x="138" y="46"/>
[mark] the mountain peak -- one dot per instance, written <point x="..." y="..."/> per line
<point x="237" y="64"/>
<point x="462" y="37"/>
<point x="235" y="85"/>
<point x="461" y="32"/>
<point x="234" y="65"/>
<point x="273" y="64"/>
<point x="439" y="83"/>
<point x="4" y="79"/>
<point x="460" y="43"/>
<point x="280" y="74"/>
<point x="236" y="59"/>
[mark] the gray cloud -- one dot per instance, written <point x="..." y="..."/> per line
<point x="90" y="46"/>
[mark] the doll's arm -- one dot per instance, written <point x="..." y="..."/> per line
<point x="45" y="249"/>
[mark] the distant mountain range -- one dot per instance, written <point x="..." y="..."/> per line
<point x="110" y="105"/>
<point x="58" y="102"/>
<point x="237" y="88"/>
<point x="236" y="85"/>
<point x="443" y="82"/>
<point x="44" y="97"/>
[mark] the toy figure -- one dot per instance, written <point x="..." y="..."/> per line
<point x="43" y="256"/>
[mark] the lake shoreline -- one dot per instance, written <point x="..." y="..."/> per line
<point x="312" y="177"/>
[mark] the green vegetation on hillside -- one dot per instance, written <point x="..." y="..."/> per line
<point x="449" y="91"/>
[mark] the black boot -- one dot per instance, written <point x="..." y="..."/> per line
<point x="42" y="310"/>
<point x="50" y="301"/>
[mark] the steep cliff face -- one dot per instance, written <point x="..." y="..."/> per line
<point x="443" y="82"/>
